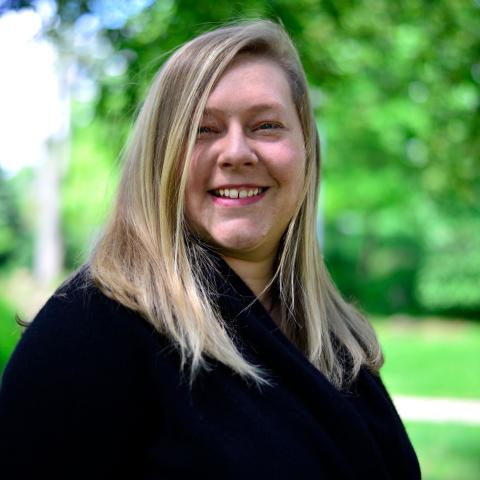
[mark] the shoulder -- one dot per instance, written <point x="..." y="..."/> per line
<point x="79" y="380"/>
<point x="81" y="332"/>
<point x="80" y="307"/>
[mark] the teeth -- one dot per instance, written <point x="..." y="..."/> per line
<point x="238" y="193"/>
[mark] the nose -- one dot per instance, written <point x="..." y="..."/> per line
<point x="235" y="150"/>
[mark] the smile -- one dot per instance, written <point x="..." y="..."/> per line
<point x="235" y="193"/>
<point x="237" y="197"/>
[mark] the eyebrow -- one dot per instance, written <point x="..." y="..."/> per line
<point x="257" y="108"/>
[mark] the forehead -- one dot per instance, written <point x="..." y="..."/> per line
<point x="252" y="82"/>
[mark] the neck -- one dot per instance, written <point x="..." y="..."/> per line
<point x="256" y="273"/>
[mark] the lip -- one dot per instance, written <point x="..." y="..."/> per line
<point x="238" y="186"/>
<point x="238" y="202"/>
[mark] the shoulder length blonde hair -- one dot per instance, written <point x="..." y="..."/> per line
<point x="148" y="260"/>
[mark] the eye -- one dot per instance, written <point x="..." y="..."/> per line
<point x="268" y="126"/>
<point x="204" y="129"/>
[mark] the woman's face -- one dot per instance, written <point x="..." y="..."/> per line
<point x="248" y="163"/>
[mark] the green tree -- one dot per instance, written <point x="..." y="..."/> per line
<point x="395" y="86"/>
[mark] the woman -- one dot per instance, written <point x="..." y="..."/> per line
<point x="204" y="337"/>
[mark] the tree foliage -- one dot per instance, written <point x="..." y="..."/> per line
<point x="395" y="86"/>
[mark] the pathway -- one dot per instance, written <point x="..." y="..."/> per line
<point x="438" y="409"/>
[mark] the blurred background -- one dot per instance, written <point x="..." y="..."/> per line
<point x="395" y="86"/>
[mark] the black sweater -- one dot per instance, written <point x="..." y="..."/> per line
<point x="92" y="391"/>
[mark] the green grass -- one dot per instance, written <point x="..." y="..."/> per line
<point x="431" y="358"/>
<point x="446" y="451"/>
<point x="9" y="333"/>
<point x="436" y="358"/>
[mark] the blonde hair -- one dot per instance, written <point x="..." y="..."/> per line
<point x="148" y="260"/>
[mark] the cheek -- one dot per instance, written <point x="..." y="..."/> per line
<point x="192" y="188"/>
<point x="289" y="166"/>
<point x="293" y="177"/>
<point x="199" y="173"/>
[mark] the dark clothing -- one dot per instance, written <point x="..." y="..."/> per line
<point x="92" y="391"/>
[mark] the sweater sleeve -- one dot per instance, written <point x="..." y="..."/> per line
<point x="75" y="395"/>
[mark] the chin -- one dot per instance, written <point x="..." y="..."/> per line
<point x="238" y="243"/>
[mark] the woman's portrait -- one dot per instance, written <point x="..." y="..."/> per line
<point x="203" y="335"/>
